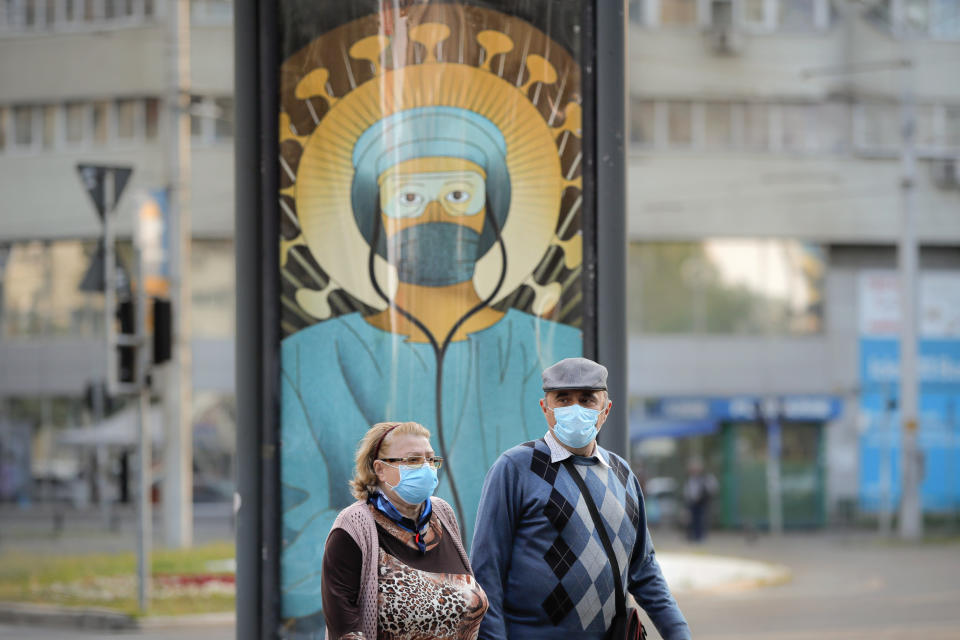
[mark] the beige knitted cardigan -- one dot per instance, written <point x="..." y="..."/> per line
<point x="358" y="522"/>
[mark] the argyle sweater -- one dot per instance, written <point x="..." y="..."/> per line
<point x="538" y="557"/>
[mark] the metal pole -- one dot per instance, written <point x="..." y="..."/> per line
<point x="144" y="444"/>
<point x="911" y="516"/>
<point x="887" y="448"/>
<point x="268" y="222"/>
<point x="109" y="282"/>
<point x="774" y="448"/>
<point x="178" y="452"/>
<point x="611" y="219"/>
<point x="249" y="320"/>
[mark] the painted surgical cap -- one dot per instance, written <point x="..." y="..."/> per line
<point x="423" y="132"/>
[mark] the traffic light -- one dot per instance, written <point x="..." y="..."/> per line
<point x="162" y="330"/>
<point x="126" y="342"/>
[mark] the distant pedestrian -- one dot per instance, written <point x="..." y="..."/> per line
<point x="698" y="491"/>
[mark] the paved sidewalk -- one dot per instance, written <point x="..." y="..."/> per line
<point x="712" y="573"/>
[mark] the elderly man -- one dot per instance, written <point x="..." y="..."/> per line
<point x="538" y="554"/>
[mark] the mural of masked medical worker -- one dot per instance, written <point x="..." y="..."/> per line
<point x="431" y="256"/>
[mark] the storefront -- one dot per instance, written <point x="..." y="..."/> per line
<point x="739" y="438"/>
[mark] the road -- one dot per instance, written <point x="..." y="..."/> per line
<point x="844" y="587"/>
<point x="40" y="633"/>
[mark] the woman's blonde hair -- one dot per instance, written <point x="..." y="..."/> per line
<point x="364" y="478"/>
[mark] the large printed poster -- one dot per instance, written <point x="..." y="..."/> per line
<point x="431" y="251"/>
<point x="938" y="373"/>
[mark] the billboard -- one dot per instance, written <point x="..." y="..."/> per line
<point x="938" y="372"/>
<point x="435" y="241"/>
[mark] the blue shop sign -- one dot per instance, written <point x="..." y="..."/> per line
<point x="798" y="408"/>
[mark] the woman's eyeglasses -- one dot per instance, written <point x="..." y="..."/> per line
<point x="416" y="461"/>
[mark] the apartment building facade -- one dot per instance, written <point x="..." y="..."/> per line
<point x="766" y="199"/>
<point x="87" y="81"/>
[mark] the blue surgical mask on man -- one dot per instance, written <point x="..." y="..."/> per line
<point x="576" y="426"/>
<point x="416" y="483"/>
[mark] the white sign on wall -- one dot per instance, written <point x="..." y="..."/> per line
<point x="938" y="315"/>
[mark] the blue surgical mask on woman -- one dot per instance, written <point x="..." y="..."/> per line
<point x="416" y="483"/>
<point x="576" y="426"/>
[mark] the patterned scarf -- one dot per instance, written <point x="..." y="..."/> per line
<point x="418" y="529"/>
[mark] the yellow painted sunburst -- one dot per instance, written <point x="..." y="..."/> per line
<point x="322" y="189"/>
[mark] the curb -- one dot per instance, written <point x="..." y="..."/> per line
<point x="19" y="613"/>
<point x="710" y="573"/>
<point x="72" y="617"/>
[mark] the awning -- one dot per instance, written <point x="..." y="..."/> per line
<point x="118" y="430"/>
<point x="670" y="428"/>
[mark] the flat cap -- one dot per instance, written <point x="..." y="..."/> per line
<point x="575" y="373"/>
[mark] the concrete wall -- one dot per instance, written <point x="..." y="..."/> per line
<point x="676" y="195"/>
<point x="127" y="61"/>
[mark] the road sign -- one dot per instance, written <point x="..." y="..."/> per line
<point x="94" y="278"/>
<point x="94" y="176"/>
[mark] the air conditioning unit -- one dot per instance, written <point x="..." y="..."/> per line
<point x="945" y="173"/>
<point x="721" y="32"/>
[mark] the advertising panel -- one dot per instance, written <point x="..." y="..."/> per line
<point x="431" y="244"/>
<point x="938" y="371"/>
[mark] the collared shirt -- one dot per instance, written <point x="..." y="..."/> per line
<point x="559" y="453"/>
<point x="538" y="555"/>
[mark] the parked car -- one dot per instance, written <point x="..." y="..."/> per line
<point x="663" y="503"/>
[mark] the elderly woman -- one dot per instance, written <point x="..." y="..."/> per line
<point x="394" y="566"/>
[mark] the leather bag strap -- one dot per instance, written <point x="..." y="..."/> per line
<point x="602" y="532"/>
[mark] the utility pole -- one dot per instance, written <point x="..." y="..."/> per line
<point x="127" y="365"/>
<point x="911" y="512"/>
<point x="144" y="442"/>
<point x="178" y="451"/>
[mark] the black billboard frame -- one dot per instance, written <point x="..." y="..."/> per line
<point x="257" y="59"/>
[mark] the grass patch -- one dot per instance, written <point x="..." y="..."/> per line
<point x="109" y="580"/>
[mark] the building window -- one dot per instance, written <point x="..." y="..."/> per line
<point x="785" y="15"/>
<point x="197" y="116"/>
<point x="126" y="111"/>
<point x="642" y="121"/>
<point x="40" y="293"/>
<point x="726" y="286"/>
<point x="756" y="126"/>
<point x="211" y="12"/>
<point x="74" y="116"/>
<point x="718" y="125"/>
<point x="37" y="15"/>
<point x="223" y="128"/>
<point x="49" y="126"/>
<point x="100" y="120"/>
<point x="793" y="127"/>
<point x="798" y="15"/>
<point x="829" y="128"/>
<point x="877" y="127"/>
<point x="934" y="18"/>
<point x="212" y="273"/>
<point x="23" y="126"/>
<point x="74" y="10"/>
<point x="678" y="13"/>
<point x="151" y="118"/>
<point x="680" y="124"/>
<point x="951" y="128"/>
<point x="945" y="19"/>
